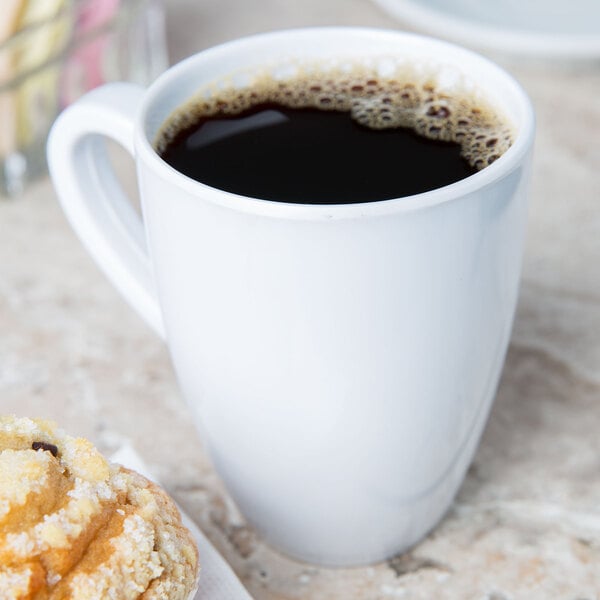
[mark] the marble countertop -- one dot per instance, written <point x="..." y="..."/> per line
<point x="526" y="522"/>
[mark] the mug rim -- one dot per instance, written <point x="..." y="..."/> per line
<point x="503" y="166"/>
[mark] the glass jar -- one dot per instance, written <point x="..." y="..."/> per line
<point x="52" y="52"/>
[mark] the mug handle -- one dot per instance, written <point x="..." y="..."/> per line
<point x="92" y="198"/>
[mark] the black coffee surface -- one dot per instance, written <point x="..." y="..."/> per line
<point x="337" y="134"/>
<point x="312" y="156"/>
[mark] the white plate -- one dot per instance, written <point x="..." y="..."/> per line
<point x="542" y="28"/>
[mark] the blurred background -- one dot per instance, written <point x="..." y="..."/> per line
<point x="526" y="523"/>
<point x="52" y="52"/>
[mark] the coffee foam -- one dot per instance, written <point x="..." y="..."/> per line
<point x="403" y="97"/>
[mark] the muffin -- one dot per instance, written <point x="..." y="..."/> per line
<point x="74" y="526"/>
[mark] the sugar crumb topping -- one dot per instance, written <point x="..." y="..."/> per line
<point x="70" y="499"/>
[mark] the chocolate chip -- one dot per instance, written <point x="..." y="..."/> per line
<point x="45" y="446"/>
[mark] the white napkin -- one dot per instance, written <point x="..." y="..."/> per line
<point x="217" y="580"/>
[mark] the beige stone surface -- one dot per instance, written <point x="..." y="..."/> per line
<point x="526" y="523"/>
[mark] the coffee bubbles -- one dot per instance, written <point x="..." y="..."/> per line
<point x="405" y="100"/>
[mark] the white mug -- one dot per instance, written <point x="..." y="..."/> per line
<point x="340" y="360"/>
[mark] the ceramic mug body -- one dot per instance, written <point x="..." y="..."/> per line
<point x="340" y="360"/>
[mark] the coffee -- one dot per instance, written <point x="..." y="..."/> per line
<point x="333" y="137"/>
